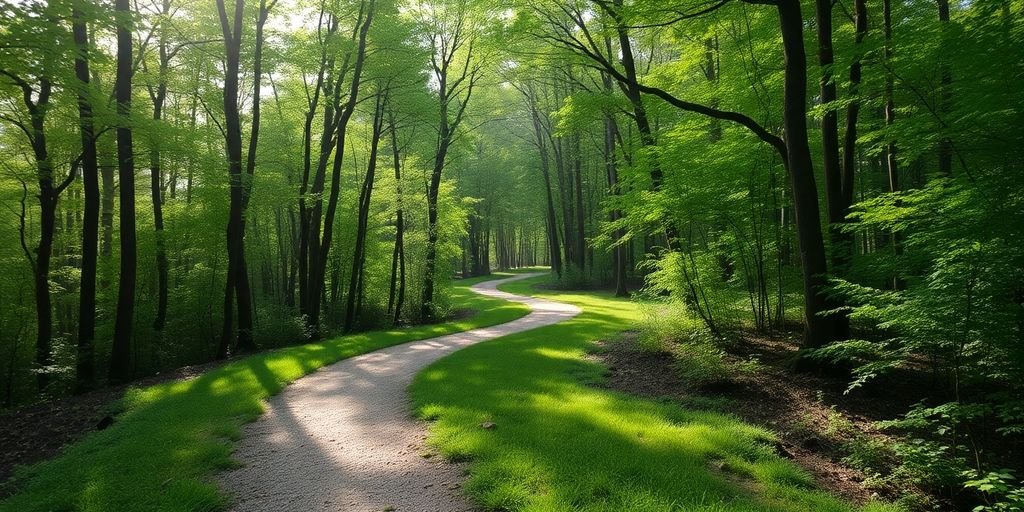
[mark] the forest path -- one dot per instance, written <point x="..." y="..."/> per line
<point x="343" y="437"/>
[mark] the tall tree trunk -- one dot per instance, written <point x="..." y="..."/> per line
<point x="237" y="275"/>
<point x="545" y="165"/>
<point x="631" y="89"/>
<point x="611" y="168"/>
<point x="837" y="206"/>
<point x="85" y="367"/>
<point x="889" y="112"/>
<point x="396" y="297"/>
<point x="836" y="203"/>
<point x="121" y="353"/>
<point x="107" y="194"/>
<point x="158" y="97"/>
<point x="564" y="199"/>
<point x="829" y="122"/>
<point x="48" y="196"/>
<point x="818" y="329"/>
<point x="368" y="9"/>
<point x="427" y="307"/>
<point x="362" y="223"/>
<point x="853" y="108"/>
<point x="458" y="89"/>
<point x="581" y="240"/>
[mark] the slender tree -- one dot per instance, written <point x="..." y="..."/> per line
<point x="158" y="96"/>
<point x="396" y="294"/>
<point x="452" y="60"/>
<point x="85" y="361"/>
<point x="363" y="211"/>
<point x="237" y="289"/>
<point x="121" y="353"/>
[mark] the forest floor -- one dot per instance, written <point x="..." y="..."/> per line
<point x="168" y="440"/>
<point x="39" y="431"/>
<point x="811" y="416"/>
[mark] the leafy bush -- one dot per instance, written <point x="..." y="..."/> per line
<point x="1000" y="490"/>
<point x="663" y="324"/>
<point x="699" y="362"/>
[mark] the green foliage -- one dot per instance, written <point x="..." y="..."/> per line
<point x="1002" y="492"/>
<point x="700" y="363"/>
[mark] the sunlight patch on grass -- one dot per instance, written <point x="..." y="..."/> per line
<point x="561" y="445"/>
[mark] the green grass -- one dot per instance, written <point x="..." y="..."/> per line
<point x="561" y="444"/>
<point x="170" y="439"/>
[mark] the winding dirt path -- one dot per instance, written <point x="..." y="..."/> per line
<point x="343" y="438"/>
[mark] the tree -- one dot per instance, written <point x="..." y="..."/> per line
<point x="317" y="248"/>
<point x="85" y="366"/>
<point x="452" y="38"/>
<point x="794" y="149"/>
<point x="121" y="354"/>
<point x="365" y="194"/>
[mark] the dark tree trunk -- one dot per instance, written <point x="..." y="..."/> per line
<point x="829" y="122"/>
<point x="581" y="240"/>
<point x="818" y="329"/>
<point x="158" y="97"/>
<point x="37" y="103"/>
<point x="107" y="193"/>
<point x="611" y="168"/>
<point x="397" y="296"/>
<point x="362" y="223"/>
<point x="314" y="248"/>
<point x="343" y="119"/>
<point x="237" y="273"/>
<point x="545" y="169"/>
<point x="444" y="142"/>
<point x="455" y="86"/>
<point x="889" y="113"/>
<point x="564" y="199"/>
<point x="837" y="206"/>
<point x="48" y="196"/>
<point x="85" y="369"/>
<point x="853" y="108"/>
<point x="121" y="353"/>
<point x="631" y="88"/>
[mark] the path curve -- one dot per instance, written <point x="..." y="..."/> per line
<point x="343" y="438"/>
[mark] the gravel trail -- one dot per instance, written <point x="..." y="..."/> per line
<point x="343" y="438"/>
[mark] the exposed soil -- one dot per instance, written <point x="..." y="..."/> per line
<point x="798" y="407"/>
<point x="37" y="432"/>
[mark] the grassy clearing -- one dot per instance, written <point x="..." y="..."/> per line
<point x="561" y="444"/>
<point x="171" y="438"/>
